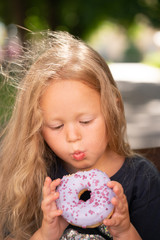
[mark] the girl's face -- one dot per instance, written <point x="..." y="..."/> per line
<point x="74" y="126"/>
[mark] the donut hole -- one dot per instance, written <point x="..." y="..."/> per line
<point x="84" y="195"/>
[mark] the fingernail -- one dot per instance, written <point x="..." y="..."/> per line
<point x="60" y="211"/>
<point x="109" y="184"/>
<point x="56" y="194"/>
<point x="47" y="179"/>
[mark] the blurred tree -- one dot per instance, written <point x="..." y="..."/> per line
<point x="79" y="17"/>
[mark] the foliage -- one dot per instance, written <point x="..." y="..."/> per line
<point x="79" y="17"/>
<point x="153" y="59"/>
<point x="7" y="98"/>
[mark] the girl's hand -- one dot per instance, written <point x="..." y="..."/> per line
<point x="53" y="224"/>
<point x="119" y="224"/>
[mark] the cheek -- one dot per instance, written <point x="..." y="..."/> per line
<point x="49" y="137"/>
<point x="101" y="142"/>
<point x="46" y="135"/>
<point x="54" y="141"/>
<point x="98" y="137"/>
<point x="54" y="144"/>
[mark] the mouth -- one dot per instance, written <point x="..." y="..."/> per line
<point x="78" y="155"/>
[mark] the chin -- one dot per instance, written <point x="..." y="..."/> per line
<point x="86" y="167"/>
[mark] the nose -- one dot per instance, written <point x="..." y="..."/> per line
<point x="73" y="133"/>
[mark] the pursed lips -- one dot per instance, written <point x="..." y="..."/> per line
<point x="78" y="155"/>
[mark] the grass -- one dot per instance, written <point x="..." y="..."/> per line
<point x="7" y="97"/>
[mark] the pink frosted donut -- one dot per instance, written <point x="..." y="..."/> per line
<point x="88" y="213"/>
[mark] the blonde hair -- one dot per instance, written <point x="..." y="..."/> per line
<point x="24" y="156"/>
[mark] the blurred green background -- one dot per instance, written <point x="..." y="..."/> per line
<point x="133" y="25"/>
<point x="120" y="30"/>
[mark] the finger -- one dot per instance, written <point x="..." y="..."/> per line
<point x="116" y="187"/>
<point x="50" y="200"/>
<point x="109" y="222"/>
<point x="54" y="184"/>
<point x="56" y="213"/>
<point x="46" y="187"/>
<point x="117" y="204"/>
<point x="119" y="201"/>
<point x="50" y="186"/>
<point x="120" y="205"/>
<point x="52" y="215"/>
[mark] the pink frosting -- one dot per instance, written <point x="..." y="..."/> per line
<point x="96" y="208"/>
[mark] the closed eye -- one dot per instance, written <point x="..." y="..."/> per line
<point x="56" y="127"/>
<point x="85" y="122"/>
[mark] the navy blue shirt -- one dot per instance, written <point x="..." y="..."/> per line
<point x="141" y="183"/>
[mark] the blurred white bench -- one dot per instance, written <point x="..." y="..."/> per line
<point x="139" y="85"/>
<point x="140" y="88"/>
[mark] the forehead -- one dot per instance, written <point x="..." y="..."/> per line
<point x="68" y="95"/>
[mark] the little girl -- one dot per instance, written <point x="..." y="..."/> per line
<point x="69" y="116"/>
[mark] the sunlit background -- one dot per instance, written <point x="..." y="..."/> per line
<point x="126" y="33"/>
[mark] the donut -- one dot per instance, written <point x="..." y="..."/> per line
<point x="93" y="211"/>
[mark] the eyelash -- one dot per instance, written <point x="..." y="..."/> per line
<point x="85" y="122"/>
<point x="60" y="126"/>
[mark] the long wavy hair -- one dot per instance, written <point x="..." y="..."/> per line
<point x="24" y="156"/>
